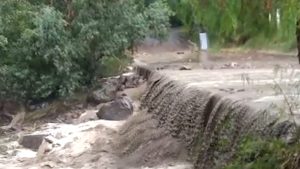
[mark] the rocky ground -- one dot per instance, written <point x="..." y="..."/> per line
<point x="86" y="142"/>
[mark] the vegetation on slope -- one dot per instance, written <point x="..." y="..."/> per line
<point x="258" y="153"/>
<point x="268" y="22"/>
<point x="50" y="48"/>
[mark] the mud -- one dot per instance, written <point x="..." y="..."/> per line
<point x="133" y="144"/>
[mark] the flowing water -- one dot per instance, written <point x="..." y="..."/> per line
<point x="208" y="123"/>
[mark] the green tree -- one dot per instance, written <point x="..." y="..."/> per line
<point x="238" y="21"/>
<point x="41" y="60"/>
<point x="108" y="28"/>
<point x="49" y="48"/>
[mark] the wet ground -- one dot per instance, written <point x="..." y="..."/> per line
<point x="267" y="80"/>
<point x="84" y="144"/>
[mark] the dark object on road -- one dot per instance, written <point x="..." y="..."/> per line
<point x="119" y="109"/>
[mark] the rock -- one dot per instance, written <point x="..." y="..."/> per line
<point x="180" y="53"/>
<point x="185" y="68"/>
<point x="130" y="80"/>
<point x="111" y="86"/>
<point x="32" y="141"/>
<point x="119" y="109"/>
<point x="106" y="94"/>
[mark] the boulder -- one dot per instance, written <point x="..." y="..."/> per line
<point x="106" y="94"/>
<point x="32" y="141"/>
<point x="111" y="86"/>
<point x="119" y="109"/>
<point x="130" y="80"/>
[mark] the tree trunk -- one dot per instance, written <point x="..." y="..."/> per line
<point x="298" y="38"/>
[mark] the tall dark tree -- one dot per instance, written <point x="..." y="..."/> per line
<point x="298" y="38"/>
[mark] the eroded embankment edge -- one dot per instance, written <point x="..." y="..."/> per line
<point x="208" y="123"/>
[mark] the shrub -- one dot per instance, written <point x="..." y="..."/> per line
<point x="258" y="153"/>
<point x="50" y="48"/>
<point x="41" y="60"/>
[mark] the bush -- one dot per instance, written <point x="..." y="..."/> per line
<point x="42" y="59"/>
<point x="257" y="153"/>
<point x="114" y="26"/>
<point x="51" y="49"/>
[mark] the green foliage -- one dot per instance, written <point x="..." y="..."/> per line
<point x="113" y="27"/>
<point x="41" y="59"/>
<point x="50" y="48"/>
<point x="12" y="24"/>
<point x="113" y="65"/>
<point x="158" y="15"/>
<point x="235" y="22"/>
<point x="257" y="153"/>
